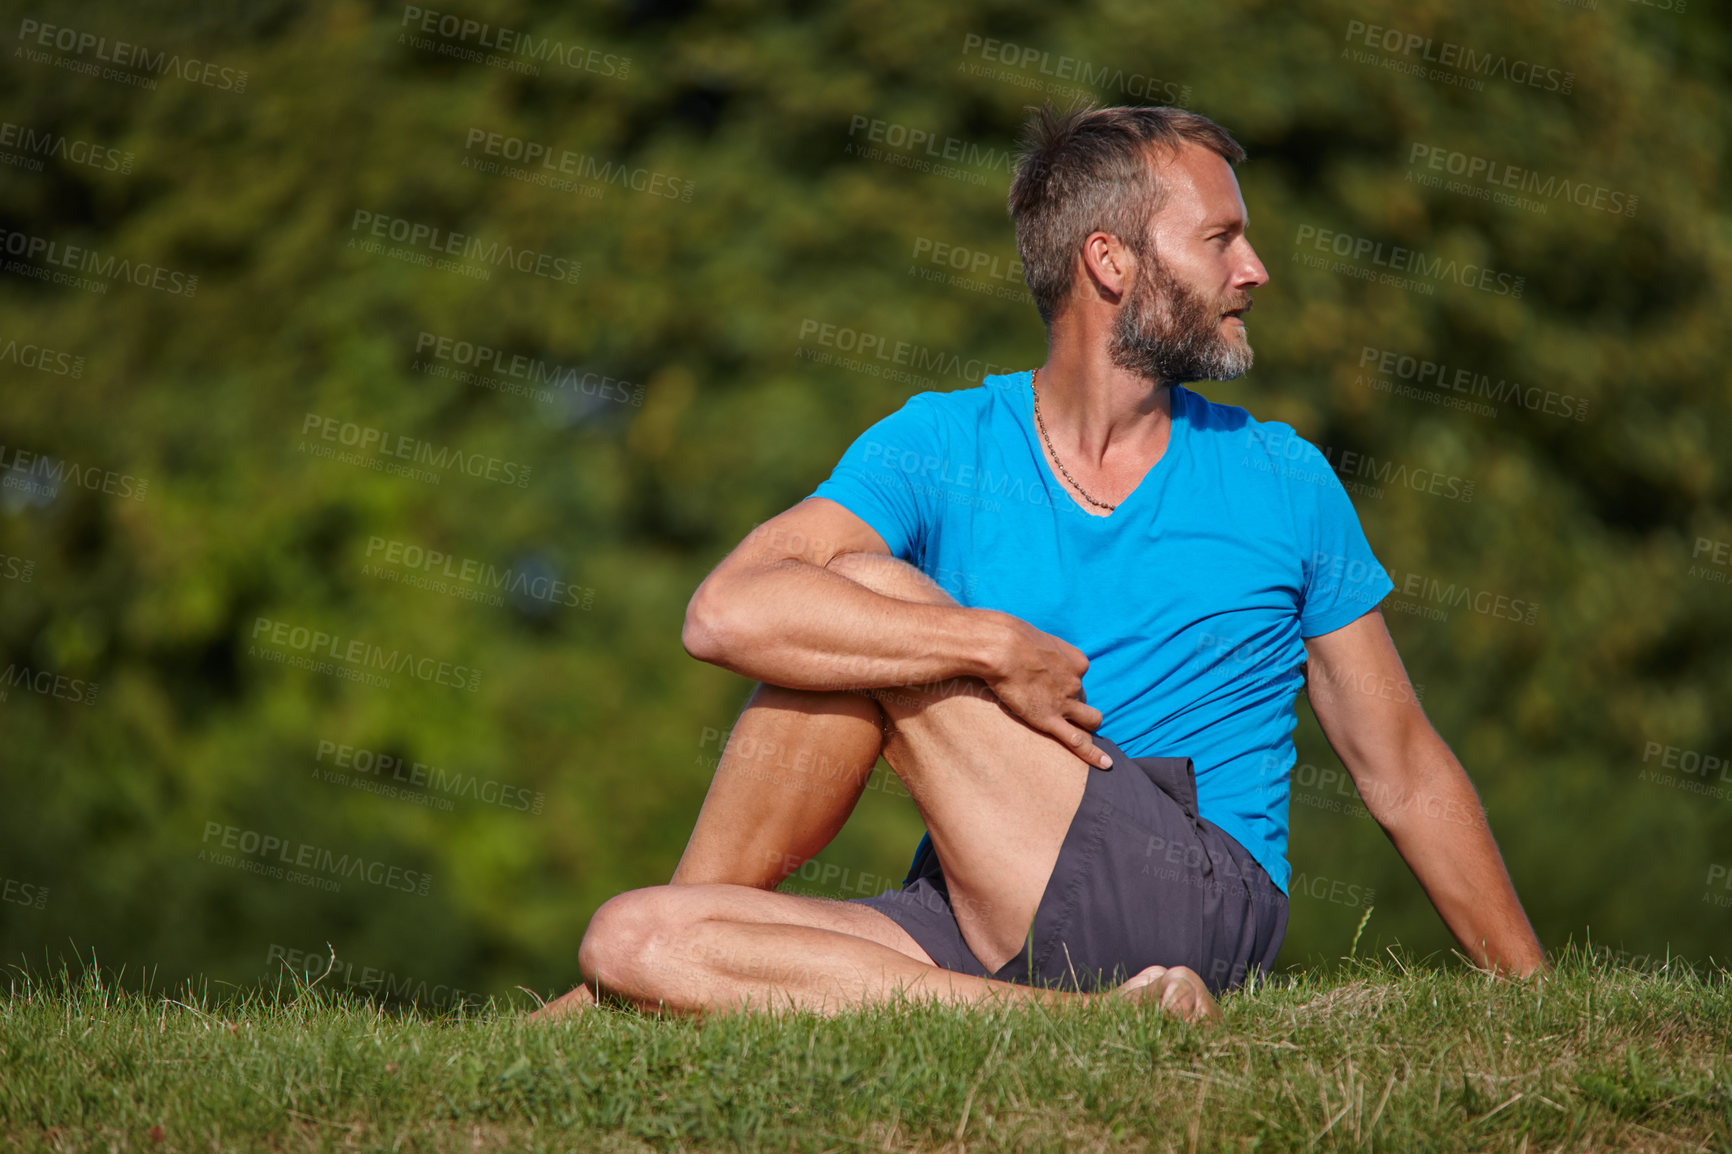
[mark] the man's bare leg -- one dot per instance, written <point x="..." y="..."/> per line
<point x="791" y="772"/>
<point x="997" y="797"/>
<point x="699" y="949"/>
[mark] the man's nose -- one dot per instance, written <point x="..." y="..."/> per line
<point x="1251" y="272"/>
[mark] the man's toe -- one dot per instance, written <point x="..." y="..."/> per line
<point x="574" y="1002"/>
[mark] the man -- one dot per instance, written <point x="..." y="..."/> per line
<point x="1100" y="523"/>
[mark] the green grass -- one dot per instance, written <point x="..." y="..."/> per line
<point x="1373" y="1056"/>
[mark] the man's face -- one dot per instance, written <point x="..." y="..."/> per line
<point x="1180" y="317"/>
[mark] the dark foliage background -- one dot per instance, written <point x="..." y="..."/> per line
<point x="760" y="216"/>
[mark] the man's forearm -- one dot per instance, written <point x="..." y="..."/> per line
<point x="1440" y="830"/>
<point x="802" y="626"/>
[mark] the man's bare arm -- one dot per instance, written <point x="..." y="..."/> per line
<point x="1418" y="792"/>
<point x="773" y="612"/>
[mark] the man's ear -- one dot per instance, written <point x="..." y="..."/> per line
<point x="1107" y="264"/>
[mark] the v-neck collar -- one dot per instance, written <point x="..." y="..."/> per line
<point x="1178" y="429"/>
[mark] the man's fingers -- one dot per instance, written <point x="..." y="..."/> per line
<point x="1084" y="716"/>
<point x="1089" y="719"/>
<point x="1079" y="742"/>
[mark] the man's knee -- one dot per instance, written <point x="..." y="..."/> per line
<point x="623" y="936"/>
<point x="889" y="576"/>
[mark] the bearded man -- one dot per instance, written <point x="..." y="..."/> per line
<point x="980" y="558"/>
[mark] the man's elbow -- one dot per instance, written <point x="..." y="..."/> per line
<point x="710" y="631"/>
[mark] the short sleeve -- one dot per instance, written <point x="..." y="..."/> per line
<point x="879" y="478"/>
<point x="1343" y="579"/>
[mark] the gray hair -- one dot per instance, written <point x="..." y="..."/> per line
<point x="1087" y="170"/>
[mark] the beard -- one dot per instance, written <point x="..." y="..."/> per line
<point x="1171" y="334"/>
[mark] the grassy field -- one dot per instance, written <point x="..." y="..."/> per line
<point x="1372" y="1056"/>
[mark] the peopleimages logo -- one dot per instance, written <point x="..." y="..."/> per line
<point x="1432" y="376"/>
<point x="43" y="360"/>
<point x="40" y="474"/>
<point x="47" y="683"/>
<point x="23" y="893"/>
<point x="317" y="965"/>
<point x="1401" y="259"/>
<point x="370" y="765"/>
<point x="487" y="361"/>
<point x="975" y="262"/>
<point x="920" y="358"/>
<point x="1424" y="595"/>
<point x="264" y="853"/>
<point x="1502" y="181"/>
<point x="503" y="43"/>
<point x="135" y="57"/>
<point x="34" y="143"/>
<point x="1691" y="761"/>
<point x="1287" y="454"/>
<point x="553" y="161"/>
<point x="1418" y="50"/>
<point x="1060" y="67"/>
<point x="356" y="655"/>
<point x="78" y="260"/>
<point x="467" y="577"/>
<point x="382" y="443"/>
<point x="924" y="150"/>
<point x="436" y="241"/>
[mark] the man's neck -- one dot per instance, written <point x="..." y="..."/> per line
<point x="1093" y="408"/>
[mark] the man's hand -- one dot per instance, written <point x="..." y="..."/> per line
<point x="1038" y="677"/>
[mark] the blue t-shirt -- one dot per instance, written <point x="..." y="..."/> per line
<point x="1191" y="600"/>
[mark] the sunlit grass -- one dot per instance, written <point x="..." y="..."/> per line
<point x="1374" y="1055"/>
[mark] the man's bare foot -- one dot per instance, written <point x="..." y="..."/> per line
<point x="576" y="1002"/>
<point x="1177" y="990"/>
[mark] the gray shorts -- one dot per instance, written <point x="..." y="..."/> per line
<point x="1140" y="881"/>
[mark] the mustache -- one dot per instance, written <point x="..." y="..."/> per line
<point x="1237" y="305"/>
